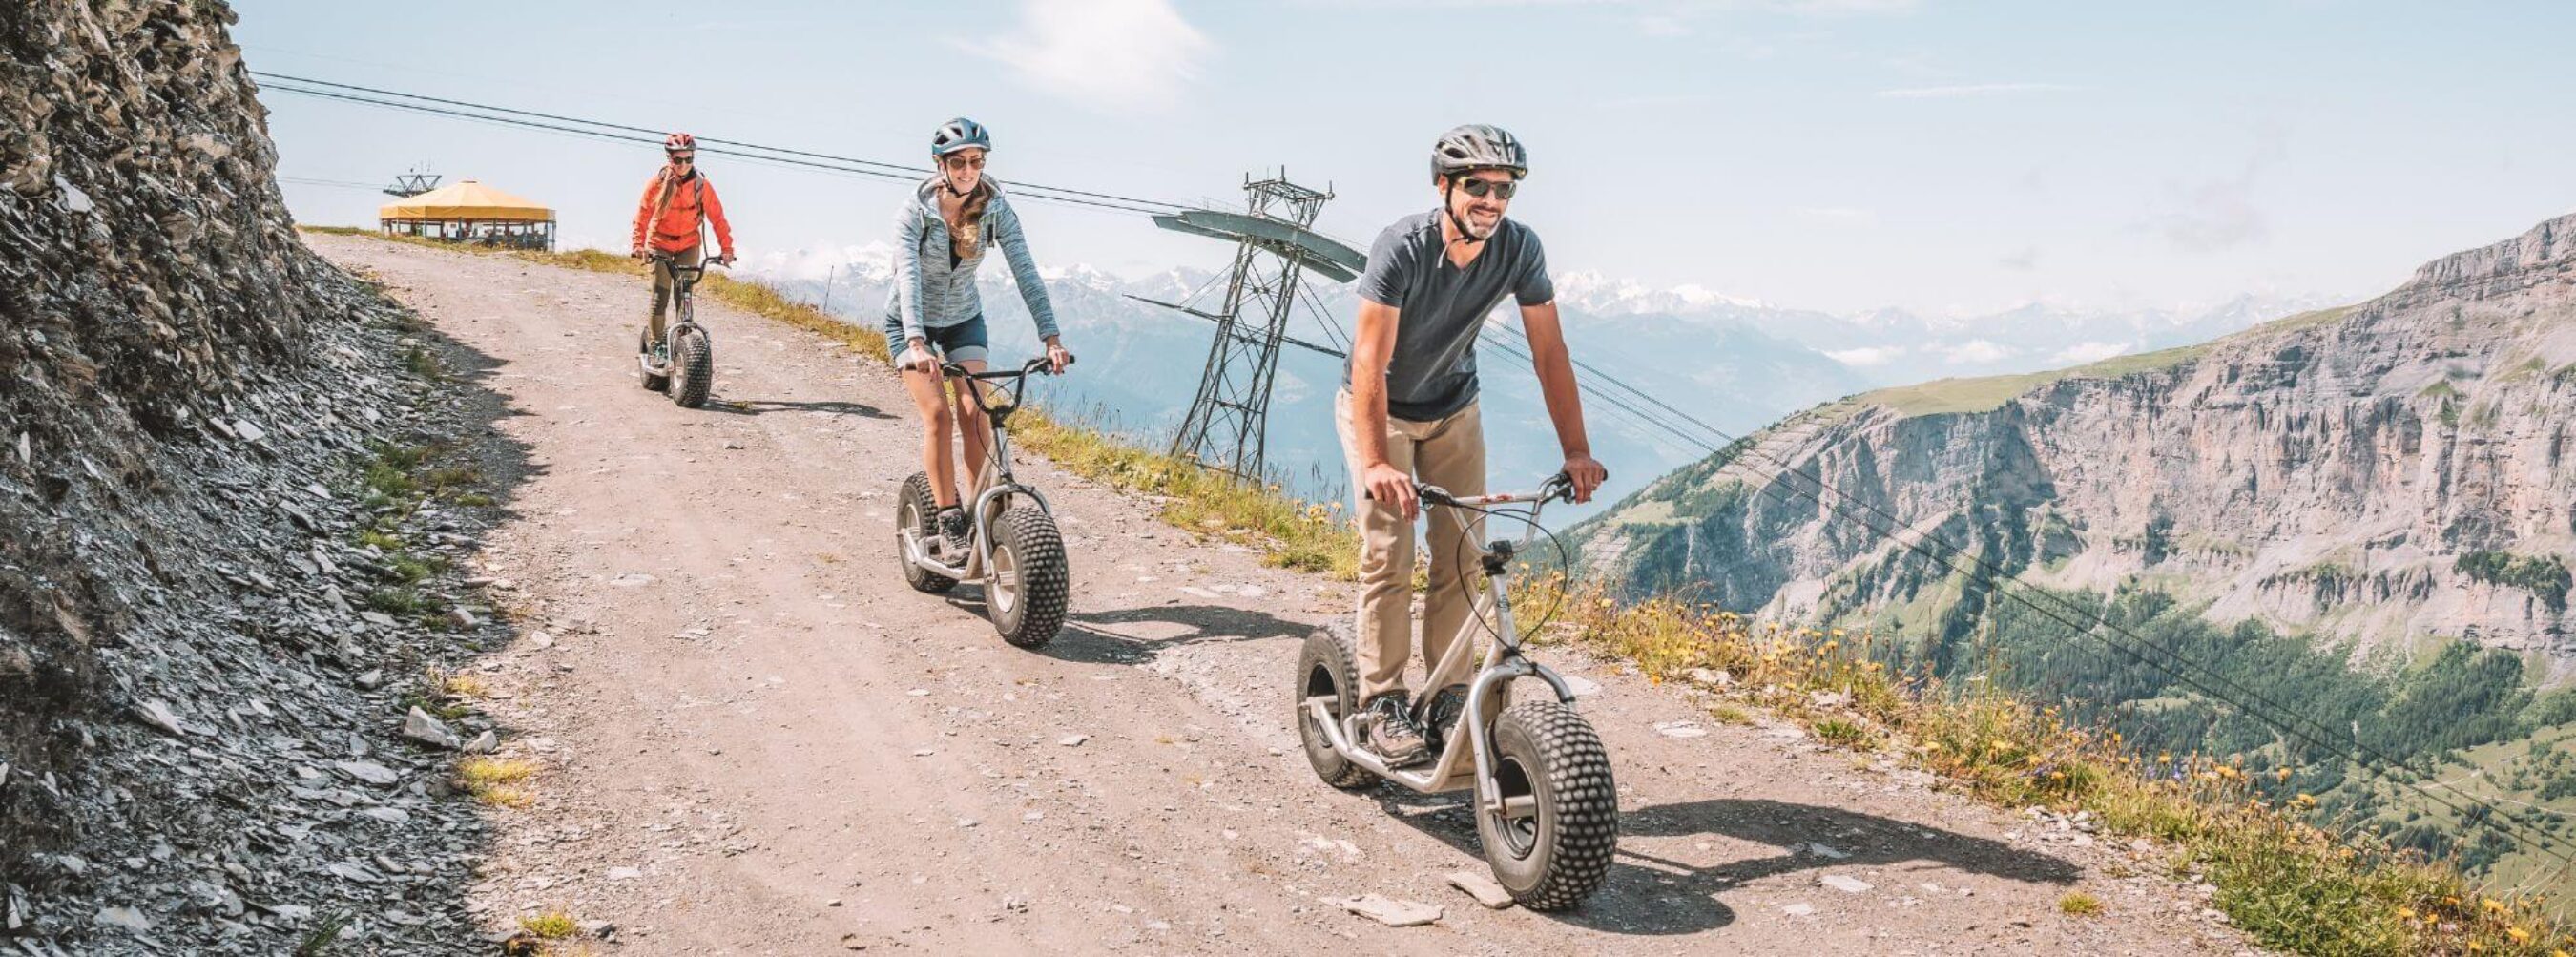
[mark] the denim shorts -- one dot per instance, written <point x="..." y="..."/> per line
<point x="963" y="342"/>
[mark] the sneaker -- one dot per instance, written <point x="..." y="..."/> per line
<point x="952" y="526"/>
<point x="1386" y="728"/>
<point x="1442" y="715"/>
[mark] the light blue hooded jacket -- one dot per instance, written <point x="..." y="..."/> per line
<point x="928" y="292"/>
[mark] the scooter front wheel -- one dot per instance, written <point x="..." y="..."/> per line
<point x="693" y="368"/>
<point x="1551" y="841"/>
<point x="1026" y="589"/>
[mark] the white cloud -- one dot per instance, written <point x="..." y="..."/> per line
<point x="1122" y="56"/>
<point x="2085" y="352"/>
<point x="1975" y="352"/>
<point x="1867" y="356"/>
<point x="2218" y="213"/>
<point x="1971" y="89"/>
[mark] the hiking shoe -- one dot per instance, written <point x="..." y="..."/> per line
<point x="1386" y="728"/>
<point x="952" y="527"/>
<point x="1441" y="717"/>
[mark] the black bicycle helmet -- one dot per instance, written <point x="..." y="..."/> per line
<point x="1478" y="146"/>
<point x="957" y="134"/>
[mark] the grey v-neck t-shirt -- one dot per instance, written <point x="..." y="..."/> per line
<point x="1440" y="307"/>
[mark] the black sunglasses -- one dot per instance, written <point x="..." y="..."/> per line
<point x="680" y="158"/>
<point x="1479" y="187"/>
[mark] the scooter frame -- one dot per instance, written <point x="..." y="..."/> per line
<point x="995" y="478"/>
<point x="683" y="303"/>
<point x="1465" y="759"/>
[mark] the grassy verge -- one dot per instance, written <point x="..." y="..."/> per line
<point x="2288" y="884"/>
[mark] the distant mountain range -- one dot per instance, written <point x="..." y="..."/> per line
<point x="1735" y="364"/>
<point x="2358" y="523"/>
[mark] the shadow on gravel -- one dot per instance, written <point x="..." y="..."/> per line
<point x="1133" y="635"/>
<point x="1649" y="895"/>
<point x="766" y="406"/>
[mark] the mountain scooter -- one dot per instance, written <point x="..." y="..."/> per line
<point x="1547" y="813"/>
<point x="691" y="369"/>
<point x="1014" y="548"/>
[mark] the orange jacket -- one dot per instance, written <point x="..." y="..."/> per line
<point x="674" y="227"/>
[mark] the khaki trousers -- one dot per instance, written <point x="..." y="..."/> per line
<point x="662" y="284"/>
<point x="1449" y="453"/>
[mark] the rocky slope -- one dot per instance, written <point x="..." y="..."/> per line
<point x="197" y="734"/>
<point x="2380" y="475"/>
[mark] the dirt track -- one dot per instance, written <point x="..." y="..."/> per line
<point x="745" y="705"/>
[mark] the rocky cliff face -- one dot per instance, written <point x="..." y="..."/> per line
<point x="2399" y="469"/>
<point x="187" y="761"/>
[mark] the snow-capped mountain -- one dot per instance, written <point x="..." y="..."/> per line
<point x="1731" y="362"/>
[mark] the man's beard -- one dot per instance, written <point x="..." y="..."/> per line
<point x="1468" y="221"/>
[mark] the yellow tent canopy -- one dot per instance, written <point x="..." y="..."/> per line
<point x="466" y="199"/>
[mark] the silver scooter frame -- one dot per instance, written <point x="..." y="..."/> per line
<point x="994" y="478"/>
<point x="1465" y="758"/>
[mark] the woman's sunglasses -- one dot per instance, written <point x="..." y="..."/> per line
<point x="960" y="162"/>
<point x="683" y="158"/>
<point x="1479" y="187"/>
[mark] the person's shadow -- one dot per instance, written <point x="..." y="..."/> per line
<point x="764" y="406"/>
<point x="1650" y="895"/>
<point x="1133" y="635"/>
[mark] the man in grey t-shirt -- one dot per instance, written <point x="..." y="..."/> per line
<point x="1408" y="412"/>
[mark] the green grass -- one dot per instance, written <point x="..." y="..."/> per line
<point x="2079" y="904"/>
<point x="2288" y="884"/>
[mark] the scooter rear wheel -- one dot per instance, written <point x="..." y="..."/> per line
<point x="1550" y="845"/>
<point x="653" y="381"/>
<point x="1328" y="666"/>
<point x="918" y="513"/>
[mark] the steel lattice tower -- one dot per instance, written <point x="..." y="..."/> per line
<point x="1275" y="247"/>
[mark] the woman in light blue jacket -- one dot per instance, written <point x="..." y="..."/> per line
<point x="941" y="234"/>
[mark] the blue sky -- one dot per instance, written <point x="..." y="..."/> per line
<point x="1835" y="154"/>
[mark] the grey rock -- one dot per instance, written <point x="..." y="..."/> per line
<point x="419" y="726"/>
<point x="158" y="714"/>
<point x="74" y="200"/>
<point x="1844" y="883"/>
<point x="249" y="431"/>
<point x="125" y="917"/>
<point x="369" y="772"/>
<point x="484" y="743"/>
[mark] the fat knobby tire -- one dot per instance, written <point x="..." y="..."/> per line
<point x="1045" y="583"/>
<point x="1578" y="807"/>
<point x="1330" y="663"/>
<point x="653" y="382"/>
<point x="920" y="512"/>
<point x="693" y="365"/>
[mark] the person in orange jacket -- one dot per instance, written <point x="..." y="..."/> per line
<point x="678" y="204"/>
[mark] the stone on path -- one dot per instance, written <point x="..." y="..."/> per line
<point x="419" y="726"/>
<point x="1482" y="888"/>
<point x="1388" y="911"/>
<point x="1845" y="884"/>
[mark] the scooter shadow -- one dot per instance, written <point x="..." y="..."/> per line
<point x="1648" y="895"/>
<point x="764" y="406"/>
<point x="1135" y="635"/>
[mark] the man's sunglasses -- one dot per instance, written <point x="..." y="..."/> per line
<point x="1479" y="187"/>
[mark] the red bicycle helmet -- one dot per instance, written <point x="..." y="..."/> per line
<point x="678" y="142"/>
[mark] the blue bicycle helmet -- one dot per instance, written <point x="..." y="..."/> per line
<point x="957" y="134"/>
